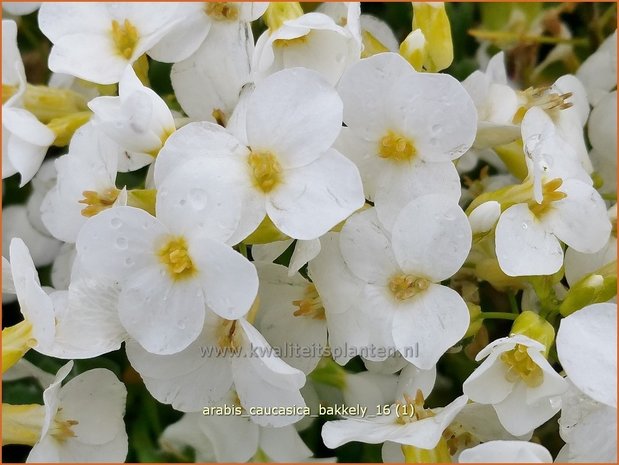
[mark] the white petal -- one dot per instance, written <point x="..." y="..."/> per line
<point x="580" y="219"/>
<point x="316" y="197"/>
<point x="271" y="251"/>
<point x="524" y="246"/>
<point x="432" y="322"/>
<point x="488" y="384"/>
<point x="283" y="444"/>
<point x="364" y="87"/>
<point x="484" y="217"/>
<point x="412" y="378"/>
<point x="228" y="279"/>
<point x="7" y="277"/>
<point x="162" y="314"/>
<point x="119" y="241"/>
<point x="506" y="451"/>
<point x="587" y="347"/>
<point x="96" y="399"/>
<point x="366" y="248"/>
<point x="431" y="237"/>
<point x="304" y="251"/>
<point x="294" y="114"/>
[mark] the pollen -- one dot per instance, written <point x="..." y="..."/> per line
<point x="311" y="305"/>
<point x="221" y="11"/>
<point x="521" y="366"/>
<point x="125" y="37"/>
<point x="266" y="172"/>
<point x="550" y="194"/>
<point x="175" y="256"/>
<point x="404" y="286"/>
<point x="396" y="147"/>
<point x="96" y="202"/>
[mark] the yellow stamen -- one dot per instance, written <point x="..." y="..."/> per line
<point x="265" y="170"/>
<point x="97" y="202"/>
<point x="62" y="429"/>
<point x="395" y="147"/>
<point x="543" y="98"/>
<point x="404" y="286"/>
<point x="311" y="305"/>
<point x="175" y="255"/>
<point x="221" y="11"/>
<point x="125" y="37"/>
<point x="227" y="336"/>
<point x="521" y="366"/>
<point x="550" y="194"/>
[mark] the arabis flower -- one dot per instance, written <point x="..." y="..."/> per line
<point x="402" y="144"/>
<point x="170" y="268"/>
<point x="279" y="161"/>
<point x="401" y="273"/>
<point x="96" y="41"/>
<point x="227" y="354"/>
<point x="518" y="382"/>
<point x="598" y="72"/>
<point x="138" y="120"/>
<point x="85" y="184"/>
<point x="82" y="421"/>
<point x="25" y="140"/>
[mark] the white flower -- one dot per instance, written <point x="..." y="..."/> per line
<point x="85" y="184"/>
<point x="96" y="41"/>
<point x="207" y="92"/>
<point x="506" y="451"/>
<point x="170" y="268"/>
<point x="404" y="130"/>
<point x="227" y="354"/>
<point x="598" y="72"/>
<point x="589" y="429"/>
<point x="578" y="264"/>
<point x="138" y="120"/>
<point x="484" y="217"/>
<point x="518" y="382"/>
<point x="15" y="223"/>
<point x="401" y="274"/>
<point x="423" y="429"/>
<point x="587" y="349"/>
<point x="312" y="41"/>
<point x="280" y="163"/>
<point x="291" y="316"/>
<point x="233" y="439"/>
<point x="25" y="139"/>
<point x="201" y="21"/>
<point x="528" y="234"/>
<point x="26" y="369"/>
<point x="496" y="104"/>
<point x="83" y="419"/>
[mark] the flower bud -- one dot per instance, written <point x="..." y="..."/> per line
<point x="596" y="287"/>
<point x="532" y="325"/>
<point x="432" y="19"/>
<point x="279" y="12"/>
<point x="414" y="49"/>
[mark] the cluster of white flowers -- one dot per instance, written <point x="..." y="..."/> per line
<point x="391" y="192"/>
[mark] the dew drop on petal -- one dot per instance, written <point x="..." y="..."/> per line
<point x="198" y="198"/>
<point x="525" y="226"/>
<point x="122" y="243"/>
<point x="116" y="223"/>
<point x="129" y="261"/>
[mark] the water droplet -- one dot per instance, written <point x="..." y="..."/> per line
<point x="198" y="198"/>
<point x="122" y="243"/>
<point x="180" y="324"/>
<point x="116" y="223"/>
<point x="129" y="261"/>
<point x="525" y="226"/>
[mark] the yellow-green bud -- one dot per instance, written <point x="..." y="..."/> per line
<point x="330" y="373"/>
<point x="49" y="103"/>
<point x="432" y="19"/>
<point x="65" y="126"/>
<point x="265" y="233"/>
<point x="475" y="324"/>
<point x="599" y="286"/>
<point x="22" y="424"/>
<point x="279" y="12"/>
<point x="371" y="45"/>
<point x="142" y="198"/>
<point x="440" y="454"/>
<point x="532" y="325"/>
<point x="414" y="49"/>
<point x="16" y="341"/>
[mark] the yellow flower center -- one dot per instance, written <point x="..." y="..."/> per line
<point x="412" y="409"/>
<point x="125" y="37"/>
<point x="221" y="11"/>
<point x="96" y="202"/>
<point x="175" y="256"/>
<point x="311" y="305"/>
<point x="265" y="170"/>
<point x="396" y="147"/>
<point x="291" y="42"/>
<point x="227" y="335"/>
<point x="550" y="194"/>
<point x="61" y="429"/>
<point x="404" y="286"/>
<point x="521" y="366"/>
